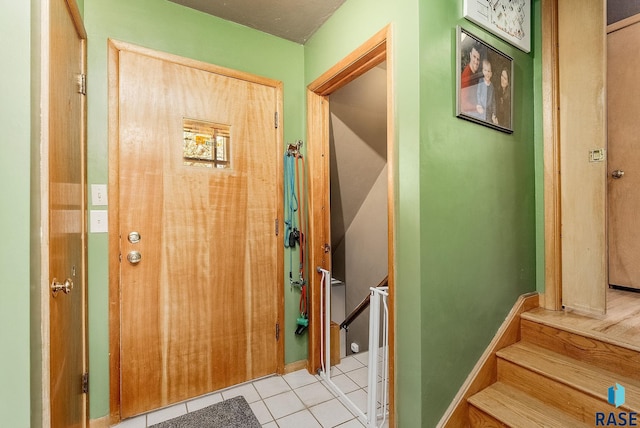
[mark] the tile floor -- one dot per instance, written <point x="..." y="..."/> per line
<point x="294" y="400"/>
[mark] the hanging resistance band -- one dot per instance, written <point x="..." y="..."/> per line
<point x="295" y="232"/>
<point x="291" y="231"/>
<point x="302" y="218"/>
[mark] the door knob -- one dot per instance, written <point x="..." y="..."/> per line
<point x="618" y="173"/>
<point x="57" y="287"/>
<point x="134" y="257"/>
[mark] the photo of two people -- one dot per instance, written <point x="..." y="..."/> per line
<point x="484" y="83"/>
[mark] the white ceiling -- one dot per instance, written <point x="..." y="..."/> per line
<point x="294" y="20"/>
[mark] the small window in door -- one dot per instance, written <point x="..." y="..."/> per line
<point x="206" y="144"/>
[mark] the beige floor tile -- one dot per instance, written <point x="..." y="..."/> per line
<point x="283" y="404"/>
<point x="313" y="394"/>
<point x="300" y="419"/>
<point x="271" y="386"/>
<point x="331" y="413"/>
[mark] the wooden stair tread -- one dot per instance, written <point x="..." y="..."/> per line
<point x="581" y="376"/>
<point x="515" y="408"/>
<point x="575" y="323"/>
<point x="557" y="372"/>
<point x="607" y="356"/>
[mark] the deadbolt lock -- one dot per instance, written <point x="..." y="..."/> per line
<point x="134" y="237"/>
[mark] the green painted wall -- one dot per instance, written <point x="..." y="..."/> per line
<point x="15" y="119"/>
<point x="168" y="27"/>
<point x="477" y="211"/>
<point x="36" y="339"/>
<point x="471" y="194"/>
<point x="539" y="143"/>
<point x="467" y="191"/>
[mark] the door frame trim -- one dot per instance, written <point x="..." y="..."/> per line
<point x="368" y="55"/>
<point x="114" y="49"/>
<point x="552" y="297"/>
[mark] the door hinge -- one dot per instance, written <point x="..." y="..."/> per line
<point x="82" y="84"/>
<point x="85" y="383"/>
<point x="277" y="120"/>
<point x="277" y="227"/>
<point x="277" y="331"/>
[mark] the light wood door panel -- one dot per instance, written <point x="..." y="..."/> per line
<point x="582" y="129"/>
<point x="624" y="154"/>
<point x="66" y="189"/>
<point x="199" y="312"/>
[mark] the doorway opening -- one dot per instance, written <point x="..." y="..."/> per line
<point x="327" y="243"/>
<point x="358" y="197"/>
<point x="622" y="111"/>
<point x="559" y="21"/>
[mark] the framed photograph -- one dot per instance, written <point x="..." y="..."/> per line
<point x="508" y="19"/>
<point x="484" y="83"/>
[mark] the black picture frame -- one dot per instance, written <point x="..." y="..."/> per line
<point x="486" y="104"/>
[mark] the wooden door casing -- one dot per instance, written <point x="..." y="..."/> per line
<point x="623" y="52"/>
<point x="373" y="52"/>
<point x="199" y="312"/>
<point x="66" y="215"/>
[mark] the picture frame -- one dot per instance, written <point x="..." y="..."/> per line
<point x="484" y="83"/>
<point x="508" y="19"/>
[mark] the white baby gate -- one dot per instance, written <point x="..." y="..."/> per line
<point x="373" y="417"/>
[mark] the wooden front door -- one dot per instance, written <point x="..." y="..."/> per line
<point x="624" y="156"/>
<point x="67" y="208"/>
<point x="199" y="200"/>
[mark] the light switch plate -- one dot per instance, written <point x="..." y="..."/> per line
<point x="99" y="221"/>
<point x="99" y="194"/>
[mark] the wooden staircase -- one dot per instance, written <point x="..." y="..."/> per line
<point x="556" y="375"/>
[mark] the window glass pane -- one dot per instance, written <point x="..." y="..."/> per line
<point x="206" y="144"/>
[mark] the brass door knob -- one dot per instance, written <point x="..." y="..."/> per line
<point x="57" y="287"/>
<point x="618" y="173"/>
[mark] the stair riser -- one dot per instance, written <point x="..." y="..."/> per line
<point x="609" y="357"/>
<point x="479" y="419"/>
<point x="577" y="404"/>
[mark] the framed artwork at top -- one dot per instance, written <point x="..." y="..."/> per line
<point x="508" y="19"/>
